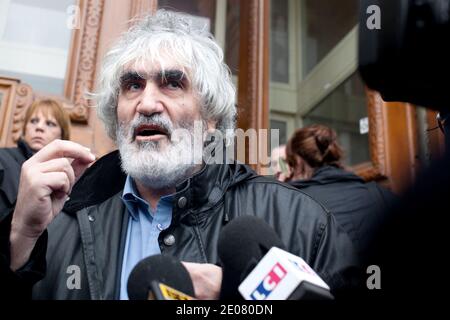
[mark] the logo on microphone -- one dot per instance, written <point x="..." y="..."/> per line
<point x="171" y="294"/>
<point x="269" y="283"/>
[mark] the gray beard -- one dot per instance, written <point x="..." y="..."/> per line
<point x="155" y="168"/>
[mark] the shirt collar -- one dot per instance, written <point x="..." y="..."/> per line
<point x="132" y="198"/>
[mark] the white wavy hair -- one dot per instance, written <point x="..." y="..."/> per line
<point x="193" y="48"/>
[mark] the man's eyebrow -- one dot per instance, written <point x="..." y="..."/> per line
<point x="131" y="75"/>
<point x="171" y="74"/>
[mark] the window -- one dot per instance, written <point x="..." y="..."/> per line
<point x="279" y="41"/>
<point x="343" y="110"/>
<point x="281" y="126"/>
<point x="324" y="24"/>
<point x="232" y="36"/>
<point x="313" y="71"/>
<point x="34" y="42"/>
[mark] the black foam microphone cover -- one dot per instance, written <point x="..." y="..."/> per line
<point x="160" y="268"/>
<point x="242" y="244"/>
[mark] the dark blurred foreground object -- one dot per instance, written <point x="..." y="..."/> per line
<point x="408" y="57"/>
<point x="159" y="277"/>
<point x="412" y="247"/>
<point x="408" y="60"/>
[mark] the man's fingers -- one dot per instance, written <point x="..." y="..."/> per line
<point x="59" y="165"/>
<point x="79" y="167"/>
<point x="79" y="156"/>
<point x="63" y="149"/>
<point x="57" y="181"/>
<point x="206" y="278"/>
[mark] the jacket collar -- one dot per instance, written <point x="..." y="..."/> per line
<point x="101" y="181"/>
<point x="25" y="148"/>
<point x="10" y="170"/>
<point x="327" y="175"/>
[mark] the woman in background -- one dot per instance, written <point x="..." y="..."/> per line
<point x="314" y="156"/>
<point x="45" y="121"/>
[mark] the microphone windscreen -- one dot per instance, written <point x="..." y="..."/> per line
<point x="242" y="244"/>
<point x="163" y="269"/>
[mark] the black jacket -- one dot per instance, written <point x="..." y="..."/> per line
<point x="90" y="232"/>
<point x="358" y="207"/>
<point x="11" y="160"/>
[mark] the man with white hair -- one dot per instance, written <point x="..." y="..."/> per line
<point x="153" y="196"/>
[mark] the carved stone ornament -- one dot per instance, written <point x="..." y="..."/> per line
<point x="85" y="73"/>
<point x="24" y="98"/>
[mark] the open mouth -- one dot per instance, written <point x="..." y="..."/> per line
<point x="150" y="132"/>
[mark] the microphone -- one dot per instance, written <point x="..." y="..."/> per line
<point x="242" y="244"/>
<point x="281" y="275"/>
<point x="160" y="277"/>
<point x="255" y="266"/>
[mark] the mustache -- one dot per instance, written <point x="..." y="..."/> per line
<point x="155" y="119"/>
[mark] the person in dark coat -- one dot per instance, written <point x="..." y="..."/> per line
<point x="315" y="156"/>
<point x="45" y="121"/>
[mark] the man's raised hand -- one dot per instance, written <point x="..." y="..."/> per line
<point x="46" y="181"/>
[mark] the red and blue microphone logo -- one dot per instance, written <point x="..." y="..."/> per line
<point x="269" y="283"/>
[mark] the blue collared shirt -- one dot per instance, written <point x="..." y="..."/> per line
<point x="144" y="227"/>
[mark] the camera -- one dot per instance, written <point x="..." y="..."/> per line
<point x="404" y="50"/>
